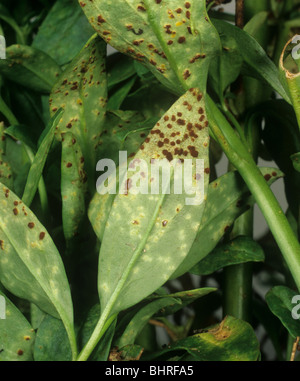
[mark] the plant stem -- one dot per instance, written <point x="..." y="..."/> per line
<point x="240" y="157"/>
<point x="238" y="291"/>
<point x="239" y="13"/>
<point x="237" y="300"/>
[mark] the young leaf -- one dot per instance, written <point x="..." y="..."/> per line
<point x="73" y="186"/>
<point x="280" y="300"/>
<point x="139" y="321"/>
<point x="16" y="334"/>
<point x="30" y="265"/>
<point x="117" y="98"/>
<point x="240" y="250"/>
<point x="39" y="161"/>
<point x="66" y="22"/>
<point x="186" y="298"/>
<point x="82" y="92"/>
<point x="30" y="67"/>
<point x="226" y="68"/>
<point x="51" y="343"/>
<point x="228" y="198"/>
<point x="119" y="69"/>
<point x="154" y="222"/>
<point x="231" y="340"/>
<point x="254" y="56"/>
<point x="167" y="36"/>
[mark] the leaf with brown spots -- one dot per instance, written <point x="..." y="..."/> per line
<point x="231" y="340"/>
<point x="30" y="68"/>
<point x="82" y="92"/>
<point x="30" y="264"/>
<point x="228" y="198"/>
<point x="173" y="38"/>
<point x="16" y="335"/>
<point x="73" y="186"/>
<point x="133" y="264"/>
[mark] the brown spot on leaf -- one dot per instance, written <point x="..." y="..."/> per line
<point x="42" y="236"/>
<point x="100" y="19"/>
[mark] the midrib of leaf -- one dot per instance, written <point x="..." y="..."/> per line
<point x="98" y="332"/>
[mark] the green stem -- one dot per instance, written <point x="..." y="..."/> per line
<point x="238" y="291"/>
<point x="239" y="156"/>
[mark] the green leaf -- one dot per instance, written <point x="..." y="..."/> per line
<point x="232" y="340"/>
<point x="23" y="134"/>
<point x="73" y="186"/>
<point x="296" y="161"/>
<point x="82" y="92"/>
<point x="27" y="107"/>
<point x="228" y="198"/>
<point x="154" y="223"/>
<point x="6" y="176"/>
<point x="168" y="37"/>
<point x="140" y="319"/>
<point x="116" y="100"/>
<point x="240" y="250"/>
<point x="65" y="22"/>
<point x="186" y="298"/>
<point x="30" y="265"/>
<point x="226" y="68"/>
<point x="119" y="69"/>
<point x="51" y="343"/>
<point x="152" y="100"/>
<point x="280" y="300"/>
<point x="16" y="334"/>
<point x="254" y="56"/>
<point x="40" y="158"/>
<point x="102" y="350"/>
<point x="30" y="67"/>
